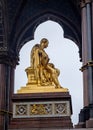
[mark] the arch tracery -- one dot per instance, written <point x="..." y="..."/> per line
<point x="26" y="33"/>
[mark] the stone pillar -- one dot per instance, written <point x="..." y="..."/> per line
<point x="86" y="114"/>
<point x="6" y="91"/>
<point x="84" y="50"/>
<point x="12" y="76"/>
<point x="7" y="68"/>
<point x="89" y="123"/>
<point x="2" y="96"/>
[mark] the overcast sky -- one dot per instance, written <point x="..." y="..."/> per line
<point x="64" y="54"/>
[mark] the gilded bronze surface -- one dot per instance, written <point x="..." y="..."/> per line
<point x="42" y="75"/>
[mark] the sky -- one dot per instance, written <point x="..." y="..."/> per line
<point x="64" y="54"/>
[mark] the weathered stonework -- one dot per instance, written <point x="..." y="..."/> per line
<point x="41" y="109"/>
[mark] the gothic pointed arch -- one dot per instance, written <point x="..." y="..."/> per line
<point x="27" y="15"/>
<point x="22" y="17"/>
<point x="26" y="33"/>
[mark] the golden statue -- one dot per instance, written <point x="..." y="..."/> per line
<point x="45" y="72"/>
<point x="41" y="74"/>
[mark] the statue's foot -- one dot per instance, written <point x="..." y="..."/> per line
<point x="58" y="86"/>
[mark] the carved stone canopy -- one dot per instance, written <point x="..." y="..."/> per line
<point x="19" y="19"/>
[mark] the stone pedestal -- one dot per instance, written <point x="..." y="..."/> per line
<point x="89" y="123"/>
<point x="85" y="119"/>
<point x="42" y="110"/>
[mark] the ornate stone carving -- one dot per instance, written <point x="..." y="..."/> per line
<point x="3" y="46"/>
<point x="60" y="108"/>
<point x="21" y="109"/>
<point x="41" y="109"/>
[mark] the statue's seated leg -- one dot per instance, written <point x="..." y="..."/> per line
<point x="54" y="75"/>
<point x="55" y="80"/>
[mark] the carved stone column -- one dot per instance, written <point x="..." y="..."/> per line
<point x="7" y="69"/>
<point x="7" y="63"/>
<point x="86" y="114"/>
<point x="2" y="96"/>
<point x="84" y="50"/>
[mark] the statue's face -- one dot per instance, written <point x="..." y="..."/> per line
<point x="44" y="43"/>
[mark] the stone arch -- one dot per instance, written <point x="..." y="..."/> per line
<point x="26" y="32"/>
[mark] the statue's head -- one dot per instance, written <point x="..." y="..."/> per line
<point x="44" y="42"/>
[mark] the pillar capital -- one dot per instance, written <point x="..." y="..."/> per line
<point x="84" y="2"/>
<point x="88" y="1"/>
<point x="9" y="59"/>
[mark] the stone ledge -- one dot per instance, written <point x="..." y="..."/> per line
<point x="53" y="129"/>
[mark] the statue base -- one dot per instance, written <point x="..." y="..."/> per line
<point x="41" y="110"/>
<point x="40" y="89"/>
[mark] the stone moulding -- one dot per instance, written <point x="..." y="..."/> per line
<point x="41" y="109"/>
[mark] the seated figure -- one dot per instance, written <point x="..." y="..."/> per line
<point x="45" y="72"/>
